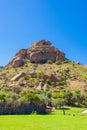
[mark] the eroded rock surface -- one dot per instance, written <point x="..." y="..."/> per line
<point x="39" y="52"/>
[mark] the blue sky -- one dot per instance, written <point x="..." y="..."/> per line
<point x="63" y="22"/>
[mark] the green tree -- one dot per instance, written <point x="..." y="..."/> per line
<point x="77" y="97"/>
<point x="68" y="96"/>
<point x="58" y="103"/>
<point x="3" y="96"/>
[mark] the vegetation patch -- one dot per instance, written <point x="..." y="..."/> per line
<point x="72" y="120"/>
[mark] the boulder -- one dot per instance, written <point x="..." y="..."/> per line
<point x="46" y="86"/>
<point x="51" y="77"/>
<point x="18" y="76"/>
<point x="40" y="86"/>
<point x="38" y="57"/>
<point x="17" y="62"/>
<point x="32" y="73"/>
<point x="22" y="83"/>
<point x="41" y="43"/>
<point x="22" y="53"/>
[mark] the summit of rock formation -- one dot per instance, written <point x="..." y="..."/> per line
<point x="39" y="52"/>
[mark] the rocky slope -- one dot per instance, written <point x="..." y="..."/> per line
<point x="26" y="71"/>
<point x="59" y="75"/>
<point x="39" y="52"/>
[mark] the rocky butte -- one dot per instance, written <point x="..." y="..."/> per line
<point x="39" y="52"/>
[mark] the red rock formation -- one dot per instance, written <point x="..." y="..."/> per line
<point x="39" y="52"/>
<point x="18" y="59"/>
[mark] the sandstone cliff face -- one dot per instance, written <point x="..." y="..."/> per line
<point x="39" y="52"/>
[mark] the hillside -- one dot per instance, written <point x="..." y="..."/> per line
<point x="41" y="75"/>
<point x="43" y="64"/>
<point x="61" y="73"/>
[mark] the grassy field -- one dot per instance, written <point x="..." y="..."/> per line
<point x="72" y="120"/>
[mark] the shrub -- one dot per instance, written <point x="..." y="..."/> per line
<point x="63" y="81"/>
<point x="40" y="74"/>
<point x="35" y="65"/>
<point x="26" y="77"/>
<point x="3" y="96"/>
<point x="48" y="81"/>
<point x="58" y="62"/>
<point x="66" y="61"/>
<point x="58" y="103"/>
<point x="49" y="61"/>
<point x="84" y="102"/>
<point x="68" y="96"/>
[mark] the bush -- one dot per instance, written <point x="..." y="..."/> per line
<point x="26" y="77"/>
<point x="48" y="81"/>
<point x="40" y="74"/>
<point x="58" y="62"/>
<point x="3" y="96"/>
<point x="63" y="81"/>
<point x="58" y="103"/>
<point x="66" y="61"/>
<point x="68" y="96"/>
<point x="49" y="61"/>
